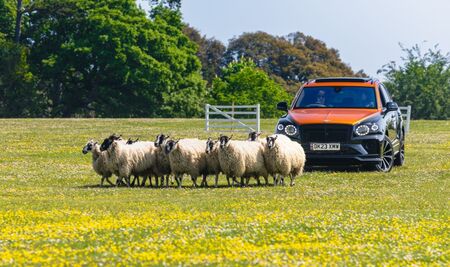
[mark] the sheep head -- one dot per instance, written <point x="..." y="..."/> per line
<point x="210" y="145"/>
<point x="252" y="136"/>
<point x="108" y="141"/>
<point x="271" y="141"/>
<point x="89" y="146"/>
<point x="170" y="145"/>
<point x="224" y="140"/>
<point x="160" y="138"/>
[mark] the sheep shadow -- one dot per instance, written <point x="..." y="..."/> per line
<point x="337" y="168"/>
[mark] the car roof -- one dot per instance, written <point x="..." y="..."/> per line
<point x="343" y="81"/>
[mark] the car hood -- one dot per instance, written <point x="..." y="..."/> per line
<point x="331" y="115"/>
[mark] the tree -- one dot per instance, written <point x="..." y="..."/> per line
<point x="210" y="52"/>
<point x="106" y="58"/>
<point x="17" y="99"/>
<point x="422" y="81"/>
<point x="289" y="60"/>
<point x="243" y="83"/>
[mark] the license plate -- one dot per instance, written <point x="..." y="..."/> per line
<point x="325" y="147"/>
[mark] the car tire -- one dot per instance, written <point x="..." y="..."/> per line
<point x="400" y="157"/>
<point x="387" y="156"/>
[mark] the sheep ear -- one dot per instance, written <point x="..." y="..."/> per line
<point x="230" y="137"/>
<point x="258" y="134"/>
<point x="167" y="136"/>
<point x="275" y="138"/>
<point x="209" y="138"/>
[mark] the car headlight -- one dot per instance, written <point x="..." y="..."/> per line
<point x="362" y="130"/>
<point x="290" y="130"/>
<point x="374" y="127"/>
<point x="366" y="128"/>
<point x="280" y="127"/>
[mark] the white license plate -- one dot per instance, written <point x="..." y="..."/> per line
<point x="325" y="147"/>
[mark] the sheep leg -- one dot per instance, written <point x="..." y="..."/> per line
<point x="247" y="181"/>
<point x="266" y="180"/>
<point x="179" y="180"/>
<point x="118" y="181"/>
<point x="167" y="181"/>
<point x="242" y="181"/>
<point x="136" y="178"/>
<point x="292" y="180"/>
<point x="228" y="180"/>
<point x="258" y="182"/>
<point x="204" y="181"/>
<point x="127" y="181"/>
<point x="107" y="179"/>
<point x="275" y="182"/>
<point x="216" y="181"/>
<point x="194" y="181"/>
<point x="101" y="182"/>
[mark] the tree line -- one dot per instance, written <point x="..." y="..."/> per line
<point x="110" y="58"/>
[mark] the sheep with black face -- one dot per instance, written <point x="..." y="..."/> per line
<point x="283" y="157"/>
<point x="241" y="159"/>
<point x="134" y="159"/>
<point x="162" y="166"/>
<point x="212" y="160"/>
<point x="99" y="160"/>
<point x="187" y="156"/>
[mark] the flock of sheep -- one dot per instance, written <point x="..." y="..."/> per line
<point x="167" y="158"/>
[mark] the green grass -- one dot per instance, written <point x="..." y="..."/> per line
<point x="53" y="212"/>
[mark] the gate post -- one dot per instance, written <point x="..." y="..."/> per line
<point x="258" y="126"/>
<point x="207" y="117"/>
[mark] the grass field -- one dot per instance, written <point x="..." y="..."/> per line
<point x="53" y="212"/>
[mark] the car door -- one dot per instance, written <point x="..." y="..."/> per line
<point x="391" y="117"/>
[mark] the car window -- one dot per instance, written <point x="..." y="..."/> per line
<point x="384" y="95"/>
<point x="336" y="97"/>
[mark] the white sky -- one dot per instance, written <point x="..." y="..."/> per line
<point x="366" y="32"/>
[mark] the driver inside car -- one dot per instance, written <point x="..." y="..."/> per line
<point x="320" y="97"/>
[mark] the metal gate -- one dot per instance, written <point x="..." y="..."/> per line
<point x="406" y="115"/>
<point x="232" y="118"/>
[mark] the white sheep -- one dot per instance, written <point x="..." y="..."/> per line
<point x="241" y="159"/>
<point x="134" y="159"/>
<point x="212" y="160"/>
<point x="187" y="156"/>
<point x="283" y="157"/>
<point x="99" y="160"/>
<point x="162" y="166"/>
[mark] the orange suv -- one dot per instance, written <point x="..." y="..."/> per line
<point x="345" y="121"/>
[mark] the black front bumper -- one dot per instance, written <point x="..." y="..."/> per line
<point x="354" y="150"/>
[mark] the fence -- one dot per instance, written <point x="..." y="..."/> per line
<point x="406" y="114"/>
<point x="232" y="118"/>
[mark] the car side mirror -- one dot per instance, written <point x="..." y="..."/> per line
<point x="391" y="106"/>
<point x="282" y="106"/>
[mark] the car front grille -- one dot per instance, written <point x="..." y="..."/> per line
<point x="325" y="133"/>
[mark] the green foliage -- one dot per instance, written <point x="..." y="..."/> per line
<point x="242" y="83"/>
<point x="210" y="52"/>
<point x="423" y="81"/>
<point x="7" y="18"/>
<point x="16" y="97"/>
<point x="290" y="60"/>
<point x="106" y="58"/>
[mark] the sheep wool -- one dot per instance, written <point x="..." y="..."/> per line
<point x="285" y="157"/>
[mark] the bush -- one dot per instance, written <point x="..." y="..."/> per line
<point x="243" y="84"/>
<point x="422" y="82"/>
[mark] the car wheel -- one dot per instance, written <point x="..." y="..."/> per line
<point x="387" y="156"/>
<point x="400" y="157"/>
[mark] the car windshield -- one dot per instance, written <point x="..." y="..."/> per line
<point x="337" y="97"/>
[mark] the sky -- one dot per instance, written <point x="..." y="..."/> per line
<point x="367" y="33"/>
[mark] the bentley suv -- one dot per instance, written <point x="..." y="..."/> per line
<point x="351" y="121"/>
